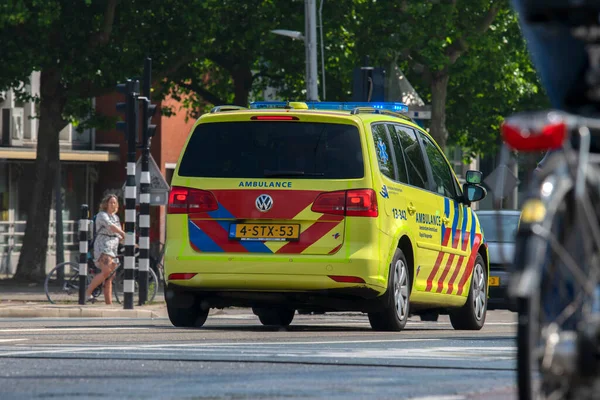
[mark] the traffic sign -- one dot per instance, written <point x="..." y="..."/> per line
<point x="502" y="181"/>
<point x="159" y="188"/>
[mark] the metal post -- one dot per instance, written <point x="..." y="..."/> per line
<point x="322" y="50"/>
<point x="144" y="222"/>
<point x="58" y="209"/>
<point x="83" y="251"/>
<point x="130" y="200"/>
<point x="310" y="42"/>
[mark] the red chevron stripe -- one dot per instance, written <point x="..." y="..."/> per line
<point x="445" y="273"/>
<point x="286" y="203"/>
<point x="220" y="236"/>
<point x="336" y="249"/>
<point x="455" y="274"/>
<point x="470" y="264"/>
<point x="438" y="261"/>
<point x="456" y="240"/>
<point x="465" y="243"/>
<point x="195" y="247"/>
<point x="310" y="236"/>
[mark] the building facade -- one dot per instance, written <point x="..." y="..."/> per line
<point x="81" y="163"/>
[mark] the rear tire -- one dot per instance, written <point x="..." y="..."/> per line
<point x="396" y="302"/>
<point x="471" y="316"/>
<point x="185" y="310"/>
<point x="275" y="316"/>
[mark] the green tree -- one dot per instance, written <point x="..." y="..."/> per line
<point x="467" y="59"/>
<point x="82" y="48"/>
<point x="430" y="37"/>
<point x="244" y="57"/>
<point x="493" y="80"/>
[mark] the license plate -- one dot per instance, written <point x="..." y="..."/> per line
<point x="271" y="232"/>
<point x="494" y="281"/>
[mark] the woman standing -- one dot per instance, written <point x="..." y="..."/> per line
<point x="106" y="244"/>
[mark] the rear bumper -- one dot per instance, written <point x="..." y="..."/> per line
<point x="498" y="295"/>
<point x="275" y="273"/>
<point x="357" y="298"/>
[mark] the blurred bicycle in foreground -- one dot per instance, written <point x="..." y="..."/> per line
<point x="555" y="275"/>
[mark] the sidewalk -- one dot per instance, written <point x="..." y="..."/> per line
<point x="19" y="300"/>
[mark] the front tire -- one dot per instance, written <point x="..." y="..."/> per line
<point x="471" y="316"/>
<point x="396" y="305"/>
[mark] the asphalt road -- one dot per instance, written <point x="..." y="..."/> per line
<point x="330" y="356"/>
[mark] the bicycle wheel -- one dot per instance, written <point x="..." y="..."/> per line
<point x="62" y="283"/>
<point x="118" y="285"/>
<point x="557" y="254"/>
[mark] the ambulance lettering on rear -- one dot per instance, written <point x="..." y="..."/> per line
<point x="256" y="184"/>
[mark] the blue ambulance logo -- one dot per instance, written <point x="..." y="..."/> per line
<point x="384" y="192"/>
<point x="382" y="150"/>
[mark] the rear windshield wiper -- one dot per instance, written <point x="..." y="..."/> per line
<point x="273" y="174"/>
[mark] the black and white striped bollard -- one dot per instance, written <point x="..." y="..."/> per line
<point x="83" y="252"/>
<point x="144" y="225"/>
<point x="130" y="200"/>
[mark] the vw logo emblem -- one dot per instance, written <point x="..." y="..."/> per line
<point x="264" y="203"/>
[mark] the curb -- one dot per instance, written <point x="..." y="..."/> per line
<point x="76" y="312"/>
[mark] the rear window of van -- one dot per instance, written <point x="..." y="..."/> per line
<point x="268" y="149"/>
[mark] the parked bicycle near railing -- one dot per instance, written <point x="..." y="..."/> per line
<point x="62" y="282"/>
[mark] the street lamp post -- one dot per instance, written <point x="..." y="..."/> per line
<point x="310" y="45"/>
<point x="310" y="41"/>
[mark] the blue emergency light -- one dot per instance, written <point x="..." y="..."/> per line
<point x="332" y="105"/>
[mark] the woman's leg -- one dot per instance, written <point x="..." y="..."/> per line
<point x="108" y="283"/>
<point x="99" y="278"/>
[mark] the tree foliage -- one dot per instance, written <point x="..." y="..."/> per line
<point x="82" y="48"/>
<point x="467" y="59"/>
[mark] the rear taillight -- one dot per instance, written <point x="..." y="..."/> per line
<point x="184" y="200"/>
<point x="274" y="118"/>
<point x="537" y="131"/>
<point x="361" y="203"/>
<point x="355" y="203"/>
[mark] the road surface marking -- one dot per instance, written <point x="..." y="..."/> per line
<point x="94" y="328"/>
<point x="11" y="340"/>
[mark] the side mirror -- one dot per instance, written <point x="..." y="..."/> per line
<point x="474" y="177"/>
<point x="473" y="193"/>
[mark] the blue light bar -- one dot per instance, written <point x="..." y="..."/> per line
<point x="334" y="105"/>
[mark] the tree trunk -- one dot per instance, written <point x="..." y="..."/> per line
<point x="439" y="92"/>
<point x="32" y="262"/>
<point x="242" y="82"/>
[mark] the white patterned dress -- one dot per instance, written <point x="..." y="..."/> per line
<point x="107" y="241"/>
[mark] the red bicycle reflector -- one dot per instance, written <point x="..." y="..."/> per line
<point x="274" y="118"/>
<point x="535" y="131"/>
<point x="181" y="276"/>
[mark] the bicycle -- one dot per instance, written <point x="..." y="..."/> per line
<point x="555" y="280"/>
<point x="157" y="255"/>
<point x="62" y="282"/>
